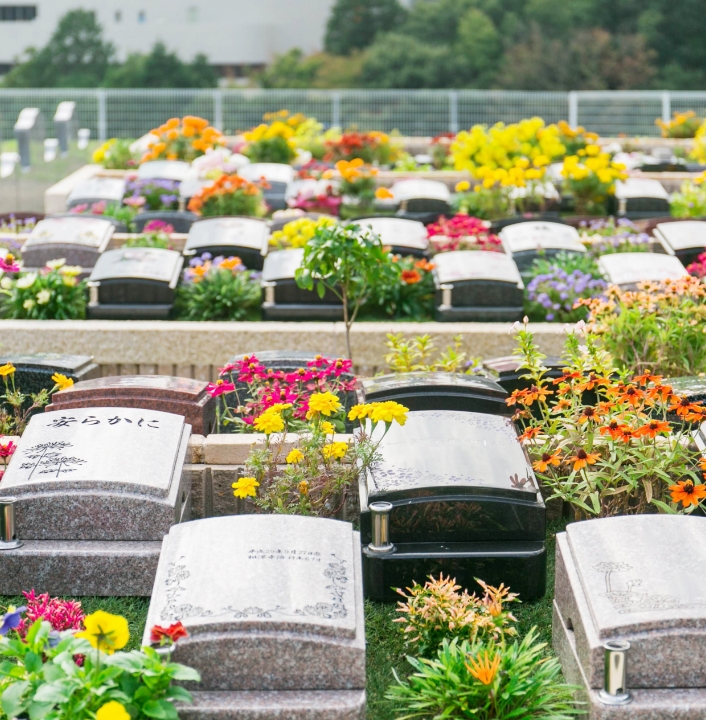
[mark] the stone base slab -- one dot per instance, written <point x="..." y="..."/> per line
<point x="276" y="705"/>
<point x="647" y="704"/>
<point x="80" y="568"/>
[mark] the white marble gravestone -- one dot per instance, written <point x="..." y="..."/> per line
<point x="223" y="232"/>
<point x="155" y="264"/>
<point x="164" y="170"/>
<point x="415" y="189"/>
<point x="398" y="232"/>
<point x="273" y="606"/>
<point x="535" y="236"/>
<point x="282" y="264"/>
<point x="640" y="579"/>
<point x="465" y="265"/>
<point x="628" y="269"/>
<point x="676" y="237"/>
<point x="271" y="172"/>
<point x="633" y="188"/>
<point x="95" y="189"/>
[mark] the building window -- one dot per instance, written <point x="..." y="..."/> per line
<point x="192" y="14"/>
<point x="9" y="13"/>
<point x="141" y="16"/>
<point x="118" y="16"/>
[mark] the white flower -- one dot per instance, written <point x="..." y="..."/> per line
<point x="6" y="283"/>
<point x="27" y="281"/>
<point x="43" y="297"/>
<point x="56" y="264"/>
<point x="28" y="304"/>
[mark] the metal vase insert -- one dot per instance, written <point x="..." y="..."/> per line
<point x="615" y="690"/>
<point x="380" y="521"/>
<point x="8" y="531"/>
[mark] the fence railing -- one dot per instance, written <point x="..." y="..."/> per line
<point x="132" y="113"/>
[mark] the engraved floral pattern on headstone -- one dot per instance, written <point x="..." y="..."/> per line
<point x="48" y="459"/>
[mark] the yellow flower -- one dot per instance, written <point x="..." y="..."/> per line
<point x="541" y="161"/>
<point x="328" y="428"/>
<point x="112" y="710"/>
<point x="7" y="369"/>
<point x="295" y="456"/>
<point x="322" y="404"/>
<point x="358" y="412"/>
<point x="278" y="407"/>
<point x="269" y="422"/>
<point x="245" y="487"/>
<point x="105" y="632"/>
<point x="462" y="186"/>
<point x="335" y="450"/>
<point x="62" y="381"/>
<point x="303" y="487"/>
<point x="389" y="411"/>
<point x="382" y="193"/>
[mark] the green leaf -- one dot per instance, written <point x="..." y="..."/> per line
<point x="157" y="709"/>
<point x="11" y="700"/>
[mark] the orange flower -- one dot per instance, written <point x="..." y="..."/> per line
<point x="425" y="265"/>
<point x="592" y="382"/>
<point x="631" y="395"/>
<point x="566" y="377"/>
<point x="686" y="493"/>
<point x="702" y="463"/>
<point x="546" y="460"/>
<point x="582" y="458"/>
<point x="483" y="668"/>
<point x="516" y="396"/>
<point x="563" y="404"/>
<point x="682" y="406"/>
<point x="589" y="413"/>
<point x="230" y="263"/>
<point x="537" y="393"/>
<point x="529" y="434"/>
<point x="410" y="277"/>
<point x="625" y="433"/>
<point x="646" y="378"/>
<point x="612" y="429"/>
<point x="382" y="193"/>
<point x="653" y="428"/>
<point x="663" y="392"/>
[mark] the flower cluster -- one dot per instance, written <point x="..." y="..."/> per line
<point x="682" y="125"/>
<point x="552" y="295"/>
<point x="230" y="195"/>
<point x="603" y="236"/>
<point x="324" y="198"/>
<point x="152" y="194"/>
<point x="274" y="140"/>
<point x="604" y="443"/>
<point x="297" y="233"/>
<point x="462" y="232"/>
<point x="115" y="154"/>
<point x="14" y="225"/>
<point x="357" y="179"/>
<point x="690" y="201"/>
<point x="698" y="268"/>
<point x="411" y="296"/>
<point x="370" y="147"/>
<point x="61" y="614"/>
<point x="183" y="139"/>
<point x="155" y="234"/>
<point x="590" y="176"/>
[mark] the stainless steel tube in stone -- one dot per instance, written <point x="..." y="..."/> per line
<point x="8" y="531"/>
<point x="615" y="690"/>
<point x="380" y="520"/>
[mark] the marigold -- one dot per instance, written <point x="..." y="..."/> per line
<point x="7" y="369"/>
<point x="295" y="456"/>
<point x="358" y="412"/>
<point x="303" y="487"/>
<point x="112" y="710"/>
<point x="410" y="277"/>
<point x="388" y="412"/>
<point x="269" y="422"/>
<point x="686" y="493"/>
<point x="245" y="487"/>
<point x="335" y="450"/>
<point x="582" y="459"/>
<point x="382" y="193"/>
<point x="323" y="404"/>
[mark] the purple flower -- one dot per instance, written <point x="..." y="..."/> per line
<point x="11" y="620"/>
<point x="168" y="199"/>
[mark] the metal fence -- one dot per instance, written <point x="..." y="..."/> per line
<point x="132" y="113"/>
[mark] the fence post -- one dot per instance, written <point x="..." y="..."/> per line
<point x="666" y="106"/>
<point x="336" y="109"/>
<point x="102" y="116"/>
<point x="573" y="108"/>
<point x="218" y="109"/>
<point x="453" y="111"/>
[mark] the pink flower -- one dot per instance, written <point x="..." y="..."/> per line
<point x="300" y="375"/>
<point x="78" y="209"/>
<point x="7" y="449"/>
<point x="61" y="614"/>
<point x="227" y="369"/>
<point x="9" y="265"/>
<point x="98" y="208"/>
<point x="133" y="201"/>
<point x="158" y="226"/>
<point x="319" y="362"/>
<point x="219" y="387"/>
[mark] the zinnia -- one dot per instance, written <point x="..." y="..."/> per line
<point x="323" y="404"/>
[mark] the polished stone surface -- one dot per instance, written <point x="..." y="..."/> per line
<point x="398" y="233"/>
<point x="96" y="189"/>
<point x="164" y="170"/>
<point x="282" y="264"/>
<point x="155" y="264"/>
<point x="271" y="602"/>
<point x="232" y="232"/>
<point x="538" y="235"/>
<point x="464" y="265"/>
<point x="405" y="190"/>
<point x="634" y="188"/>
<point x="272" y="172"/>
<point x="628" y="269"/>
<point x="682" y="235"/>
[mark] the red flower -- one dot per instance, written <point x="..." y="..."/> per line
<point x="7" y="449"/>
<point x="410" y="277"/>
<point x="174" y="632"/>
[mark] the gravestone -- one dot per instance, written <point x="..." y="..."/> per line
<point x="95" y="189"/>
<point x="437" y="391"/>
<point x="95" y="490"/>
<point x="626" y="270"/>
<point x="65" y="124"/>
<point x="33" y="371"/>
<point x="273" y="605"/>
<point x="277" y="175"/>
<point x="164" y="170"/>
<point x="29" y="128"/>
<point x="477" y="286"/>
<point x="79" y="240"/>
<point x="510" y="373"/>
<point x="465" y="502"/>
<point x="686" y="239"/>
<point x="134" y="283"/>
<point x="629" y="579"/>
<point x="527" y="241"/>
<point x="243" y="237"/>
<point x="422" y="200"/>
<point x="544" y="194"/>
<point x="181" y="221"/>
<point x="190" y="187"/>
<point x="176" y="395"/>
<point x="403" y="237"/>
<point x="641" y="198"/>
<point x="277" y="223"/>
<point x="283" y="299"/>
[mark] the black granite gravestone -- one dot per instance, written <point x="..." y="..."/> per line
<point x="283" y="299"/>
<point x="685" y="239"/>
<point x="423" y="200"/>
<point x="134" y="283"/>
<point x="477" y="286"/>
<point x="277" y="175"/>
<point x="243" y="237"/>
<point x="510" y="376"/>
<point x="437" y="391"/>
<point x="403" y="237"/>
<point x="464" y="501"/>
<point x="181" y="221"/>
<point x="641" y="198"/>
<point x="33" y="371"/>
<point x="627" y="270"/>
<point x="527" y="241"/>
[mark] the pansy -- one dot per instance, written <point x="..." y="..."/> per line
<point x="11" y="619"/>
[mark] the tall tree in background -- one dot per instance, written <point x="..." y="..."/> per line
<point x="353" y="24"/>
<point x="75" y="56"/>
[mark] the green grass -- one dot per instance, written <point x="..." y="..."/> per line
<point x="385" y="643"/>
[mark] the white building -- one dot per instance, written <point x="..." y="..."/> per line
<point x="232" y="33"/>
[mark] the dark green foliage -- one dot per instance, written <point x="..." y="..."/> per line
<point x="220" y="295"/>
<point x="353" y="24"/>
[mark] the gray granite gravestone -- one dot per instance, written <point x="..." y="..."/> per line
<point x="79" y="240"/>
<point x="465" y="502"/>
<point x="477" y="286"/>
<point x="527" y="241"/>
<point x="686" y="239"/>
<point x="243" y="237"/>
<point x="134" y="283"/>
<point x="273" y="606"/>
<point x="283" y="299"/>
<point x="404" y="237"/>
<point x="638" y="579"/>
<point x="626" y="270"/>
<point x="641" y="198"/>
<point x="65" y="124"/>
<point x="95" y="490"/>
<point x="96" y="189"/>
